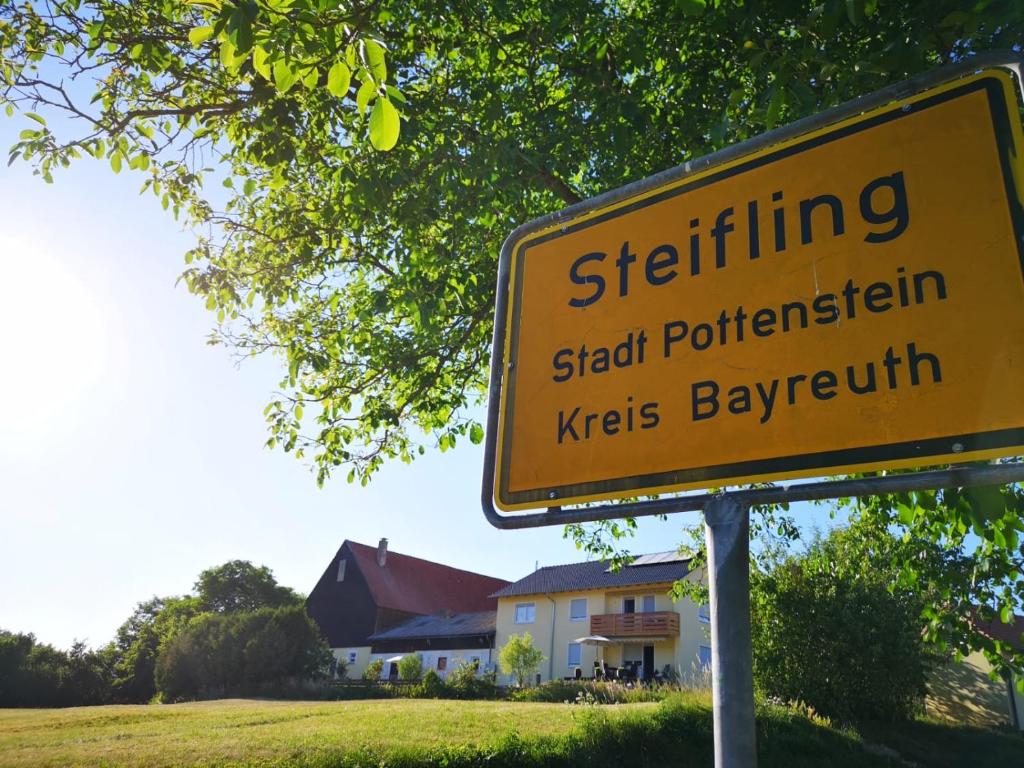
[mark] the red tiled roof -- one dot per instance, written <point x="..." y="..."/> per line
<point x="419" y="586"/>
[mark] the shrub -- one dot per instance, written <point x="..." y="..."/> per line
<point x="431" y="687"/>
<point x="410" y="667"/>
<point x="373" y="670"/>
<point x="465" y="682"/>
<point x="831" y="631"/>
<point x="519" y="658"/>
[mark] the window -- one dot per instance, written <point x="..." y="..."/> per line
<point x="442" y="663"/>
<point x="352" y="657"/>
<point x="575" y="654"/>
<point x="578" y="609"/>
<point x="341" y="569"/>
<point x="704" y="613"/>
<point x="525" y="613"/>
<point x="629" y="605"/>
<point x="704" y="656"/>
<point x="649" y="606"/>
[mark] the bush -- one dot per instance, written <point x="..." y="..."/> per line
<point x="410" y="667"/>
<point x="465" y="682"/>
<point x="431" y="687"/>
<point x="830" y="632"/>
<point x="373" y="670"/>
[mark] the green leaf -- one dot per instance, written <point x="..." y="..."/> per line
<point x="35" y="117"/>
<point x="692" y="7"/>
<point x="284" y="76"/>
<point x="239" y="30"/>
<point x="906" y="513"/>
<point x="384" y="125"/>
<point x="200" y="35"/>
<point x="311" y="78"/>
<point x="365" y="94"/>
<point x="853" y="11"/>
<point x="374" y="53"/>
<point x="227" y="54"/>
<point x="259" y="62"/>
<point x="115" y="161"/>
<point x="395" y="94"/>
<point x="476" y="434"/>
<point x="338" y="79"/>
<point x="250" y="186"/>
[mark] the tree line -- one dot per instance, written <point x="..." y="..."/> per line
<point x="239" y="633"/>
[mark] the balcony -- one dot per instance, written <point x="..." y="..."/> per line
<point x="653" y="624"/>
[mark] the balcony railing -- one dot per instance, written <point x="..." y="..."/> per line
<point x="653" y="624"/>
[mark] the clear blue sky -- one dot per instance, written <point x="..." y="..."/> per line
<point x="131" y="453"/>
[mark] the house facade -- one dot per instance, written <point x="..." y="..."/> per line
<point x="442" y="642"/>
<point x="367" y="590"/>
<point x="644" y="631"/>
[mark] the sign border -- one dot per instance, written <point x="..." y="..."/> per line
<point x="991" y="73"/>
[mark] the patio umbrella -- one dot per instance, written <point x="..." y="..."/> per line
<point x="593" y="640"/>
<point x="599" y="640"/>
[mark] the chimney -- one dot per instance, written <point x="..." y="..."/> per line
<point x="382" y="552"/>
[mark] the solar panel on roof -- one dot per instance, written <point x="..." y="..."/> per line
<point x="657" y="558"/>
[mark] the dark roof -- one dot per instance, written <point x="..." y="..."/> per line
<point x="441" y="625"/>
<point x="578" y="577"/>
<point x="413" y="585"/>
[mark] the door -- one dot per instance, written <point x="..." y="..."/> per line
<point x="648" y="662"/>
<point x="629" y="605"/>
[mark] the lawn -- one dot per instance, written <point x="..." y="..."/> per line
<point x="407" y="733"/>
<point x="266" y="732"/>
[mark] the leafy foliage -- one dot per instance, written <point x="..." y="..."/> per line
<point x="829" y="631"/>
<point x="981" y="533"/>
<point x="371" y="273"/>
<point x="431" y="686"/>
<point x="229" y="588"/>
<point x="410" y="666"/>
<point x="138" y="641"/>
<point x="33" y="674"/>
<point x="221" y="654"/>
<point x="466" y="682"/>
<point x="519" y="658"/>
<point x="239" y="585"/>
<point x="373" y="670"/>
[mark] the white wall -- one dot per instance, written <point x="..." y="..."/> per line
<point x="430" y="658"/>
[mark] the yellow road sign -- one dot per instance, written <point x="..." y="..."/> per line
<point x="850" y="298"/>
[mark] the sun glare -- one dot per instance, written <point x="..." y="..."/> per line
<point x="52" y="345"/>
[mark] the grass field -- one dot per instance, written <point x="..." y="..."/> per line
<point x="412" y="733"/>
<point x="262" y="732"/>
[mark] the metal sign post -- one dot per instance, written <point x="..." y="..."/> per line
<point x="727" y="533"/>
